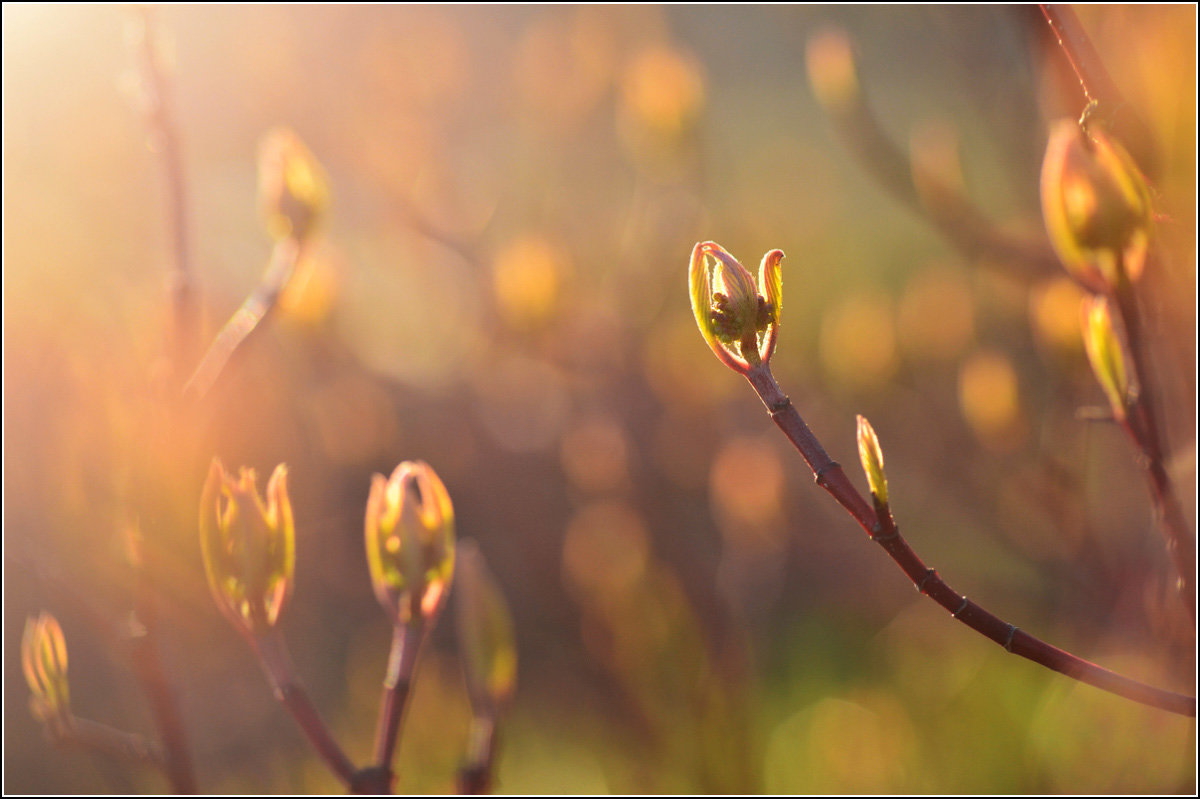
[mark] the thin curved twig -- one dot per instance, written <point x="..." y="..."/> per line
<point x="245" y="319"/>
<point x="831" y="477"/>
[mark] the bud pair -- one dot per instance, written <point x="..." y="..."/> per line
<point x="410" y="542"/>
<point x="44" y="661"/>
<point x="249" y="546"/>
<point x="1096" y="204"/>
<point x="739" y="323"/>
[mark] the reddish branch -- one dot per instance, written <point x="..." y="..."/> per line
<point x="832" y="478"/>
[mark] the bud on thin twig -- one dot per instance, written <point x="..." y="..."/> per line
<point x="739" y="323"/>
<point x="292" y="190"/>
<point x="249" y="547"/>
<point x="1105" y="354"/>
<point x="410" y="542"/>
<point x="871" y="455"/>
<point x="1096" y="204"/>
<point x="44" y="661"/>
<point x="485" y="634"/>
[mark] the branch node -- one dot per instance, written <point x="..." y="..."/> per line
<point x="1008" y="642"/>
<point x="929" y="574"/>
<point x="779" y="406"/>
<point x="961" y="607"/>
<point x="819" y="474"/>
<point x="880" y="539"/>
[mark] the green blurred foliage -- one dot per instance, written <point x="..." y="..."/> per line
<point x="500" y="291"/>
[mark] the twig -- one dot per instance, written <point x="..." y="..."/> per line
<point x="402" y="664"/>
<point x="148" y="667"/>
<point x="475" y="777"/>
<point x="273" y="655"/>
<point x="161" y="123"/>
<point x="107" y="741"/>
<point x="949" y="211"/>
<point x="1142" y="425"/>
<point x="246" y="319"/>
<point x="146" y="659"/>
<point x="829" y="475"/>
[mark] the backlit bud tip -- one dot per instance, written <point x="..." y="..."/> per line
<point x="44" y="661"/>
<point x="248" y="546"/>
<point x="485" y="633"/>
<point x="409" y="529"/>
<point x="1105" y="354"/>
<point x="738" y="322"/>
<point x="292" y="188"/>
<point x="871" y="455"/>
<point x="1096" y="204"/>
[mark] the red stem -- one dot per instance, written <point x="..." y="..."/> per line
<point x="1141" y="423"/>
<point x="272" y="654"/>
<point x="832" y="478"/>
<point x="402" y="664"/>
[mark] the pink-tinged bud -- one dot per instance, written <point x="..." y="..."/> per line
<point x="410" y="542"/>
<point x="44" y="661"/>
<point x="1096" y="204"/>
<point x="485" y="634"/>
<point x="249" y="546"/>
<point x="1105" y="354"/>
<point x="738" y="322"/>
<point x="293" y="192"/>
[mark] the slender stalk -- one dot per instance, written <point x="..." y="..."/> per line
<point x="475" y="777"/>
<point x="160" y="121"/>
<point x="402" y="665"/>
<point x="832" y="478"/>
<point x="273" y="655"/>
<point x="1094" y="80"/>
<point x="246" y="319"/>
<point x="1142" y="424"/>
<point x="146" y="658"/>
<point x="948" y="210"/>
<point x="148" y="667"/>
<point x="109" y="741"/>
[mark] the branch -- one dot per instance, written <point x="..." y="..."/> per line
<point x="829" y="475"/>
<point x="105" y="740"/>
<point x="164" y="136"/>
<point x="949" y="211"/>
<point x="402" y="665"/>
<point x="273" y="655"/>
<point x="475" y="777"/>
<point x="1141" y="422"/>
<point x="246" y="319"/>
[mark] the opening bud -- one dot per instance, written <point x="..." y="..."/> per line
<point x="44" y="661"/>
<point x="249" y="546"/>
<point x="410" y="542"/>
<point x="485" y="634"/>
<point x="293" y="192"/>
<point x="871" y="455"/>
<point x="1105" y="354"/>
<point x="1096" y="205"/>
<point x="737" y="317"/>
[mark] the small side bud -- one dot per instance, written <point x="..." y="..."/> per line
<point x="737" y="321"/>
<point x="1105" y="354"/>
<point x="1096" y="205"/>
<point x="410" y="542"/>
<point x="293" y="192"/>
<point x="871" y="455"/>
<point x="485" y="634"/>
<point x="249" y="546"/>
<point x="44" y="661"/>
